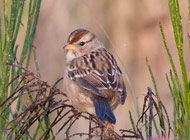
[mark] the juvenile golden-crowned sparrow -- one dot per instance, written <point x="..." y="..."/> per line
<point x="92" y="79"/>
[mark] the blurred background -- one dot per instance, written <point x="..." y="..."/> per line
<point x="128" y="28"/>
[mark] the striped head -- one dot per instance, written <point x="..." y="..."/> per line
<point x="81" y="42"/>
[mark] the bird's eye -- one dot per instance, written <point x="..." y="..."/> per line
<point x="81" y="43"/>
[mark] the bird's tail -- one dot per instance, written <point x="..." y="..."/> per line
<point x="104" y="111"/>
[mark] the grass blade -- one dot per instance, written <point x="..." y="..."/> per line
<point x="162" y="123"/>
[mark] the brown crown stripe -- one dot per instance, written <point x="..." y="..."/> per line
<point x="76" y="35"/>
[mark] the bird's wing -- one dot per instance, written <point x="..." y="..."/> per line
<point x="91" y="82"/>
<point x="100" y="73"/>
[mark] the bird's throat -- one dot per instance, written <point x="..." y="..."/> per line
<point x="70" y="56"/>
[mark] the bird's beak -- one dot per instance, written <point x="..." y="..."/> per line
<point x="69" y="47"/>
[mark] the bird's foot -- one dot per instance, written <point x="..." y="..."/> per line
<point x="109" y="127"/>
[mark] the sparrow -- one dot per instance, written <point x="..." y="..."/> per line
<point x="92" y="81"/>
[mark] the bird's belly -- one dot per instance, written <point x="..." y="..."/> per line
<point x="83" y="103"/>
<point x="78" y="97"/>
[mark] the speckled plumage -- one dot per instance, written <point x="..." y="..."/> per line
<point x="93" y="81"/>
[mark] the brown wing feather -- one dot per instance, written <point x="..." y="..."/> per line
<point x="97" y="72"/>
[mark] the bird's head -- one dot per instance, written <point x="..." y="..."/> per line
<point x="81" y="42"/>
